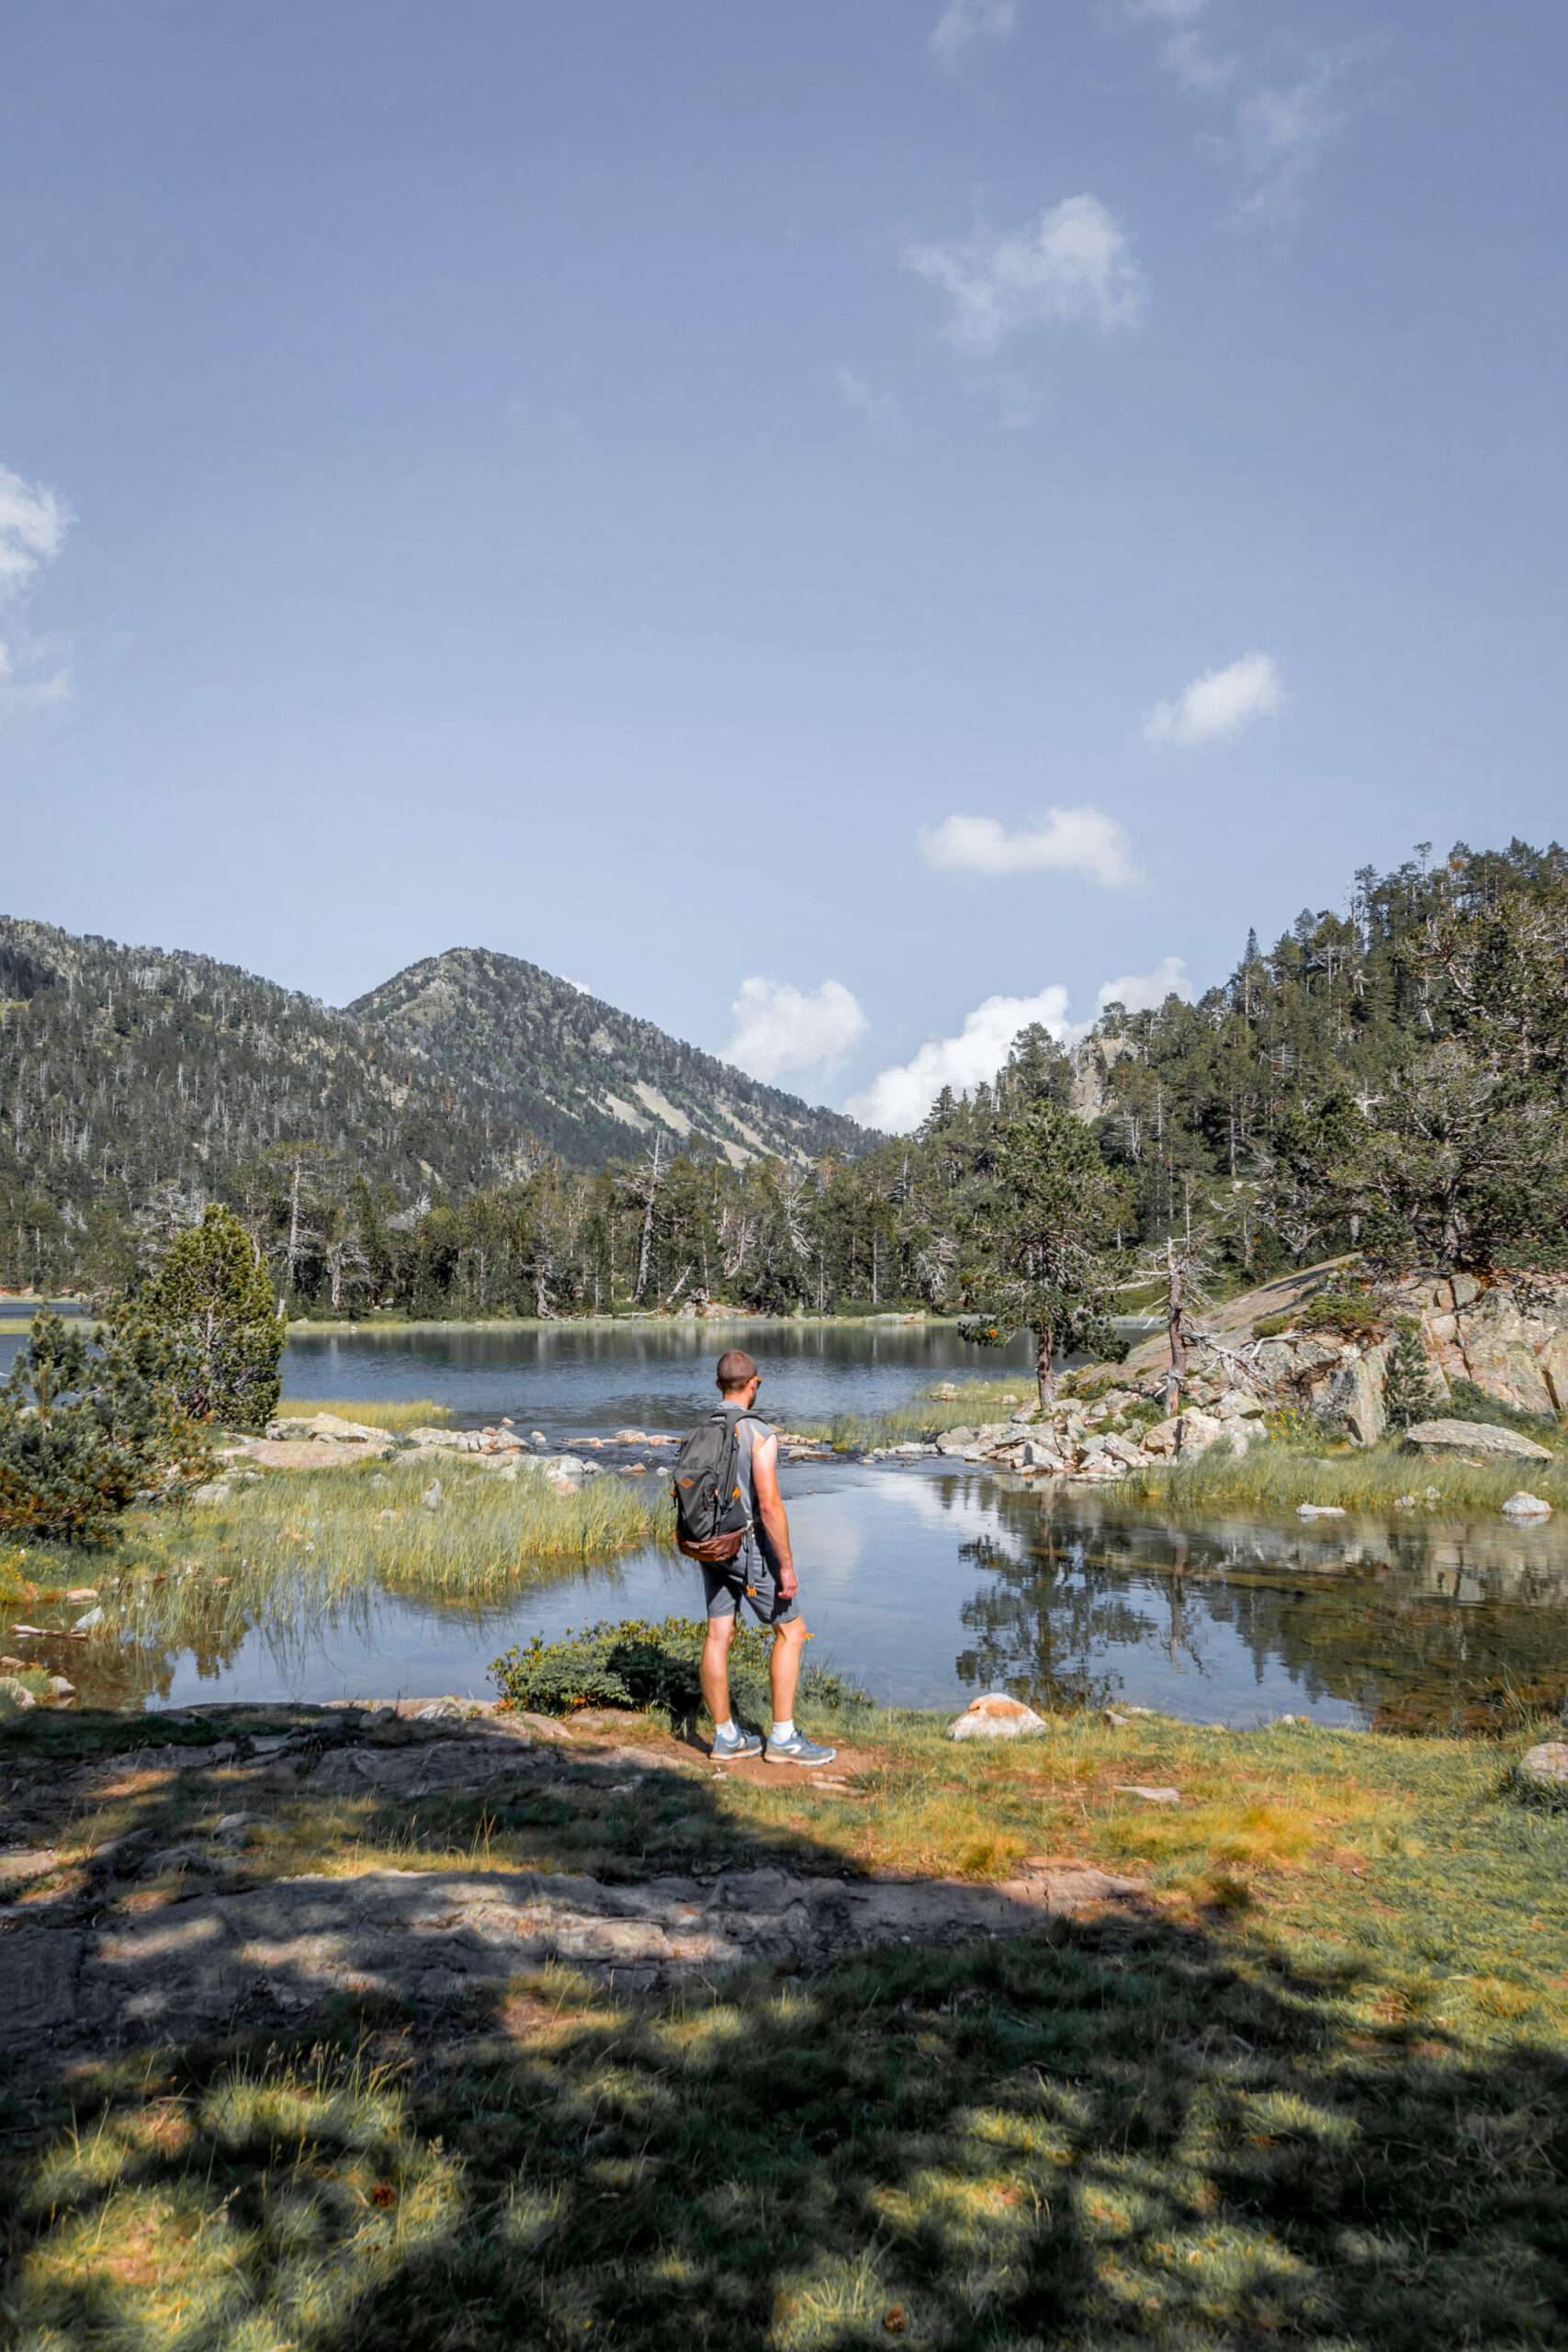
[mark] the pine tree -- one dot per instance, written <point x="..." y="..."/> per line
<point x="1407" y="1379"/>
<point x="1053" y="1220"/>
<point x="212" y="1297"/>
<point x="89" y="1425"/>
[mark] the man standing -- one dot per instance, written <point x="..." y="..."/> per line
<point x="764" y="1570"/>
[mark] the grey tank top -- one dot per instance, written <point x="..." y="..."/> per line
<point x="750" y="1431"/>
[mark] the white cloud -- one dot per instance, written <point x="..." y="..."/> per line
<point x="1218" y="704"/>
<point x="898" y="1099"/>
<point x="33" y="524"/>
<point x="1146" y="991"/>
<point x="779" y="1027"/>
<point x="1070" y="841"/>
<point x="1289" y="98"/>
<point x="1072" y="265"/>
<point x="1282" y="131"/>
<point x="962" y="21"/>
<point x="879" y="408"/>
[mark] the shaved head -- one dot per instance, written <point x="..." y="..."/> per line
<point x="735" y="1370"/>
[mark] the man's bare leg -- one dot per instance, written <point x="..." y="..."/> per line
<point x="784" y="1667"/>
<point x="715" y="1668"/>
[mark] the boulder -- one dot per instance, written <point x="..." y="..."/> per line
<point x="1037" y="1455"/>
<point x="1546" y="1765"/>
<point x="1478" y="1439"/>
<point x="1500" y="1347"/>
<point x="1524" y="1505"/>
<point x="995" y="1717"/>
<point x="1185" y="1433"/>
<point x="1353" y="1393"/>
<point x="955" y="1440"/>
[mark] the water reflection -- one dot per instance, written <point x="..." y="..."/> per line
<point x="1399" y="1627"/>
<point x="930" y="1586"/>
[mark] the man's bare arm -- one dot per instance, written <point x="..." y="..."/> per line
<point x="771" y="1510"/>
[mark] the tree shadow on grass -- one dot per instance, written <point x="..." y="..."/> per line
<point x="1113" y="2131"/>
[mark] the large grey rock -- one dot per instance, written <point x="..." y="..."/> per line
<point x="39" y="1970"/>
<point x="1353" y="1393"/>
<point x="419" y="1770"/>
<point x="431" y="1936"/>
<point x="1500" y="1346"/>
<point x="1477" y="1439"/>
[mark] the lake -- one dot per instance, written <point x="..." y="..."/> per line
<point x="933" y="1582"/>
<point x="593" y="1377"/>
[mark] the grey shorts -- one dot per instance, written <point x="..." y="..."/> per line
<point x="722" y="1589"/>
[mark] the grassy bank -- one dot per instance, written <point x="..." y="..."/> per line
<point x="397" y="1415"/>
<point x="1310" y="2088"/>
<point x="1366" y="1478"/>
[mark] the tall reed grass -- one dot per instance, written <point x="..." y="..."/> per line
<point x="1368" y="1478"/>
<point x="294" y="1549"/>
<point x="397" y="1415"/>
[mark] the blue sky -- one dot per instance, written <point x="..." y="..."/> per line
<point x="805" y="519"/>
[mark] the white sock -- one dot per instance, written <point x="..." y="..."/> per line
<point x="725" y="1730"/>
<point x="784" y="1728"/>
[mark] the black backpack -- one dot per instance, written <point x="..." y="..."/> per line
<point x="710" y="1519"/>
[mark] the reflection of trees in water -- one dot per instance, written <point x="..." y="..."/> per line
<point x="1421" y="1627"/>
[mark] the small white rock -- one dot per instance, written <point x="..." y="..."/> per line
<point x="1527" y="1505"/>
<point x="995" y="1717"/>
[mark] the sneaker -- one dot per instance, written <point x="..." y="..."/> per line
<point x="739" y="1743"/>
<point x="798" y="1749"/>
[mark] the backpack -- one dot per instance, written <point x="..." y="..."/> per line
<point x="710" y="1519"/>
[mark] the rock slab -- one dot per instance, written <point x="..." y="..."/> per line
<point x="1477" y="1438"/>
<point x="432" y="1936"/>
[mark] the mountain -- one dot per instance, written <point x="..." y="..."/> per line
<point x="127" y="1072"/>
<point x="125" y="1068"/>
<point x="591" y="1082"/>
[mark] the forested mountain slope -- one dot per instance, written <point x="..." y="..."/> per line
<point x="591" y="1082"/>
<point x="138" y="1081"/>
<point x="123" y="1069"/>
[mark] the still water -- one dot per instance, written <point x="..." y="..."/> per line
<point x="932" y="1583"/>
<point x="928" y="1586"/>
<point x="596" y="1377"/>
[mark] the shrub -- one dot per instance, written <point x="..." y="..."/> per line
<point x="212" y="1296"/>
<point x="639" y="1664"/>
<point x="1353" y="1314"/>
<point x="88" y="1424"/>
<point x="1407" y="1392"/>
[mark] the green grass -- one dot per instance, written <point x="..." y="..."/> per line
<point x="1372" y="1478"/>
<point x="1311" y="2089"/>
<point x="406" y="1413"/>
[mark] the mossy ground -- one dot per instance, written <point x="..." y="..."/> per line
<point x="1311" y="2088"/>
